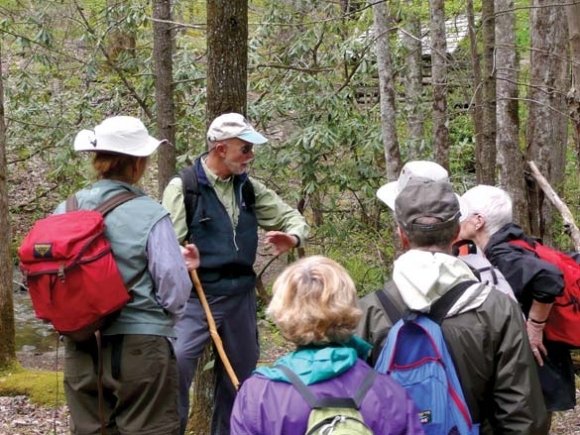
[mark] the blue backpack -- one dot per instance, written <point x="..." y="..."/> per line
<point x="416" y="356"/>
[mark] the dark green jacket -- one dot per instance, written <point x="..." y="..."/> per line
<point x="491" y="352"/>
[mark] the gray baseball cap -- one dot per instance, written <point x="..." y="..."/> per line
<point x="427" y="198"/>
<point x="416" y="170"/>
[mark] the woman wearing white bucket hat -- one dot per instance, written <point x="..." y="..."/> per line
<point x="139" y="378"/>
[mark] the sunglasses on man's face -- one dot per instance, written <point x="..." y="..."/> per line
<point x="246" y="148"/>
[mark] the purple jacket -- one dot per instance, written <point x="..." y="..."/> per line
<point x="266" y="407"/>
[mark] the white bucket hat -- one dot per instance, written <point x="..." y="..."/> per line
<point x="119" y="134"/>
<point x="231" y="125"/>
<point x="418" y="170"/>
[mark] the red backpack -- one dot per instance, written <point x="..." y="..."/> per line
<point x="72" y="276"/>
<point x="564" y="320"/>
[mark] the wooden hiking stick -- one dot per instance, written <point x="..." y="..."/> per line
<point x="213" y="330"/>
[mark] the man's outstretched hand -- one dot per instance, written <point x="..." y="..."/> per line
<point x="281" y="241"/>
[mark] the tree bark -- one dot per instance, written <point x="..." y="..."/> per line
<point x="477" y="109"/>
<point x="486" y="154"/>
<point x="7" y="329"/>
<point x="163" y="67"/>
<point x="573" y="96"/>
<point x="546" y="135"/>
<point x="227" y="48"/>
<point x="510" y="157"/>
<point x="439" y="82"/>
<point x="387" y="91"/>
<point x="412" y="78"/>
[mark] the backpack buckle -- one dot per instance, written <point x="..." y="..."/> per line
<point x="328" y="429"/>
<point x="60" y="273"/>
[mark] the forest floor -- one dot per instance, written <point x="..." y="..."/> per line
<point x="18" y="416"/>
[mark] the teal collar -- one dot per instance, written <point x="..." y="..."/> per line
<point x="318" y="363"/>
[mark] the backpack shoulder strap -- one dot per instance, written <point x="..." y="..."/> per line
<point x="115" y="201"/>
<point x="190" y="191"/>
<point x="72" y="203"/>
<point x="393" y="311"/>
<point x="330" y="402"/>
<point x="248" y="193"/>
<point x="365" y="387"/>
<point x="491" y="271"/>
<point x="299" y="385"/>
<point x="440" y="308"/>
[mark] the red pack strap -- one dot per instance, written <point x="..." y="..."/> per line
<point x="104" y="208"/>
<point x="523" y="244"/>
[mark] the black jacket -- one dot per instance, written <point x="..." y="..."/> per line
<point x="530" y="278"/>
<point x="534" y="279"/>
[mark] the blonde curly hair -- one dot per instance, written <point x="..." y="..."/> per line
<point x="315" y="301"/>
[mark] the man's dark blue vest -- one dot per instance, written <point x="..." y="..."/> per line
<point x="227" y="254"/>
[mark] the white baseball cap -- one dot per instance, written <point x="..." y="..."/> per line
<point x="118" y="134"/>
<point x="231" y="125"/>
<point x="417" y="170"/>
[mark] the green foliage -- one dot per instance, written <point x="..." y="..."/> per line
<point x="308" y="65"/>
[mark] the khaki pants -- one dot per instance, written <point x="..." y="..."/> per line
<point x="139" y="383"/>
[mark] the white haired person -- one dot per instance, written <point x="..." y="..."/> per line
<point x="139" y="379"/>
<point x="314" y="305"/>
<point x="535" y="282"/>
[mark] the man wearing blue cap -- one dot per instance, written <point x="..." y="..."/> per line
<point x="221" y="211"/>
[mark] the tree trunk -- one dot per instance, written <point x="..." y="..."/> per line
<point x="227" y="69"/>
<point x="387" y="91"/>
<point x="439" y="82"/>
<point x="163" y="64"/>
<point x="573" y="96"/>
<point x="546" y="135"/>
<point x="7" y="331"/>
<point x="477" y="109"/>
<point x="486" y="154"/>
<point x="510" y="157"/>
<point x="412" y="78"/>
<point x="227" y="63"/>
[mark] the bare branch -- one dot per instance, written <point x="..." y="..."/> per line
<point x="558" y="203"/>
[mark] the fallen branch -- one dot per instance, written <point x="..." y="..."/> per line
<point x="559" y="204"/>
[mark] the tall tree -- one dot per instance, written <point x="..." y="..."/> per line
<point x="439" y="82"/>
<point x="486" y="153"/>
<point x="227" y="58"/>
<point x="7" y="331"/>
<point x="477" y="107"/>
<point x="163" y="64"/>
<point x="413" y="76"/>
<point x="387" y="90"/>
<point x="510" y="158"/>
<point x="226" y="90"/>
<point x="547" y="122"/>
<point x="573" y="96"/>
